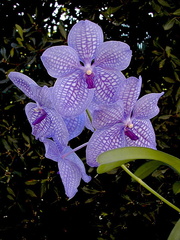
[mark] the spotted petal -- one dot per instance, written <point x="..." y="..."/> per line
<point x="75" y="125"/>
<point x="108" y="115"/>
<point x="104" y="140"/>
<point x="85" y="37"/>
<point x="71" y="96"/>
<point x="77" y="161"/>
<point x="113" y="55"/>
<point x="60" y="61"/>
<point x="25" y="84"/>
<point x="143" y="129"/>
<point x="146" y="107"/>
<point x="52" y="149"/>
<point x="107" y="85"/>
<point x="52" y="126"/>
<point x="130" y="93"/>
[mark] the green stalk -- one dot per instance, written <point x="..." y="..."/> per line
<point x="140" y="181"/>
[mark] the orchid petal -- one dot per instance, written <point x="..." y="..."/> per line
<point x="113" y="55"/>
<point x="75" y="125"/>
<point x="70" y="176"/>
<point x="78" y="162"/>
<point x="102" y="141"/>
<point x="71" y="96"/>
<point x="85" y="37"/>
<point x="108" y="84"/>
<point x="24" y="83"/>
<point x="60" y="61"/>
<point x="143" y="129"/>
<point x="51" y="126"/>
<point x="43" y="96"/>
<point x="130" y="94"/>
<point x="52" y="150"/>
<point x="107" y="116"/>
<point x="41" y="129"/>
<point x="146" y="107"/>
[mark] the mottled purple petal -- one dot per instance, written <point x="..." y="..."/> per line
<point x="71" y="96"/>
<point x="75" y="125"/>
<point x="52" y="126"/>
<point x="44" y="96"/>
<point x="52" y="150"/>
<point x="108" y="115"/>
<point x="70" y="176"/>
<point x="144" y="130"/>
<point x="113" y="55"/>
<point x="130" y="93"/>
<point x="102" y="141"/>
<point x="146" y="107"/>
<point x="24" y="83"/>
<point x="41" y="129"/>
<point x="60" y="61"/>
<point x="108" y="84"/>
<point x="78" y="162"/>
<point x="85" y="37"/>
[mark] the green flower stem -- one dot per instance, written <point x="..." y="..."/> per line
<point x="140" y="181"/>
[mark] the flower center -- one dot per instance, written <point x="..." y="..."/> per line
<point x="128" y="131"/>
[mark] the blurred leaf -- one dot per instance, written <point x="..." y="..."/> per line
<point x="62" y="31"/>
<point x="147" y="168"/>
<point x="176" y="187"/>
<point x="32" y="182"/>
<point x="164" y="3"/>
<point x="169" y="80"/>
<point x="6" y="145"/>
<point x="177" y="12"/>
<point x="30" y="192"/>
<point x="169" y="24"/>
<point x="116" y="157"/>
<point x="175" y="233"/>
<point x="20" y="31"/>
<point x="10" y="191"/>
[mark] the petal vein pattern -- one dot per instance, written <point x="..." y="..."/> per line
<point x="71" y="96"/>
<point x="60" y="61"/>
<point x="113" y="55"/>
<point x="108" y="85"/>
<point x="146" y="106"/>
<point x="144" y="130"/>
<point x="104" y="140"/>
<point x="85" y="37"/>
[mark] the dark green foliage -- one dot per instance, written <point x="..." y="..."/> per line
<point x="111" y="206"/>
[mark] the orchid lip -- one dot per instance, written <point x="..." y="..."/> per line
<point x="90" y="79"/>
<point x="131" y="135"/>
<point x="39" y="119"/>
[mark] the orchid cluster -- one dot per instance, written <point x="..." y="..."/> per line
<point x="89" y="82"/>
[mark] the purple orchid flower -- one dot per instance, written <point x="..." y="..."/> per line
<point x="71" y="168"/>
<point x="124" y="123"/>
<point x="85" y="68"/>
<point x="44" y="119"/>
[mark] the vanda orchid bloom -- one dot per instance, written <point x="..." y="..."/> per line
<point x="45" y="121"/>
<point x="86" y="67"/>
<point x="124" y="123"/>
<point x="71" y="168"/>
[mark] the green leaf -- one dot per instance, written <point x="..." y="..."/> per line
<point x="176" y="187"/>
<point x="30" y="192"/>
<point x="116" y="157"/>
<point x="20" y="31"/>
<point x="169" y="24"/>
<point x="177" y="12"/>
<point x="147" y="168"/>
<point x="31" y="182"/>
<point x="164" y="3"/>
<point x="175" y="233"/>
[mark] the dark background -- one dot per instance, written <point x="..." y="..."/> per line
<point x="32" y="200"/>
